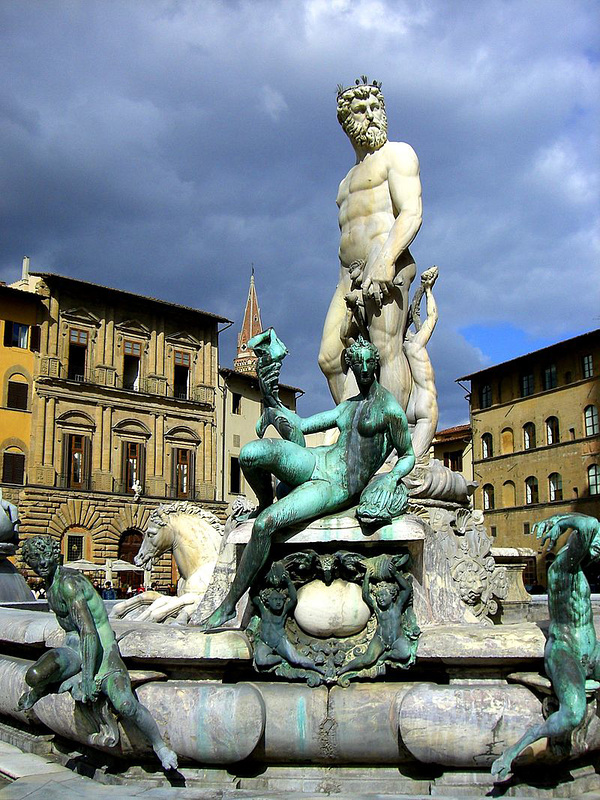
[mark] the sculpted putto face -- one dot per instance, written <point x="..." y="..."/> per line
<point x="361" y="112"/>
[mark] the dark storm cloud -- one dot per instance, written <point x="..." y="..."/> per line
<point x="162" y="147"/>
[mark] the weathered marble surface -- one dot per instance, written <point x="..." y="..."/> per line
<point x="467" y="725"/>
<point x="335" y="610"/>
<point x="141" y="640"/>
<point x="465" y="644"/>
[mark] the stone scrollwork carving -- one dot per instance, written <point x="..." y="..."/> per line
<point x="467" y="547"/>
<point x="333" y="618"/>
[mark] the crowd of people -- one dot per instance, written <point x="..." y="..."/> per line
<point x="107" y="590"/>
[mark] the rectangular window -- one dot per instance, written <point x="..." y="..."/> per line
<point x="453" y="460"/>
<point x="15" y="334"/>
<point x="587" y="366"/>
<point x="527" y="384"/>
<point x="17" y="395"/>
<point x="34" y="338"/>
<point x="236" y="403"/>
<point x="74" y="547"/>
<point x="78" y="341"/>
<point x="550" y="379"/>
<point x="77" y="461"/>
<point x="234" y="476"/>
<point x="493" y="531"/>
<point x="530" y="572"/>
<point x="182" y="469"/>
<point x="526" y="528"/>
<point x="181" y="374"/>
<point x="133" y="465"/>
<point x="132" y="354"/>
<point x="13" y="468"/>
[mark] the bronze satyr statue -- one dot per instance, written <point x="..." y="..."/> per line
<point x="89" y="664"/>
<point x="572" y="654"/>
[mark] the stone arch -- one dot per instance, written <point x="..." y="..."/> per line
<point x="13" y="441"/>
<point x="21" y="371"/>
<point x="132" y="515"/>
<point x="76" y="418"/>
<point x="75" y="513"/>
<point x="131" y="426"/>
<point x="181" y="433"/>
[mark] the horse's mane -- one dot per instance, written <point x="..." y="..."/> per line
<point x="161" y="514"/>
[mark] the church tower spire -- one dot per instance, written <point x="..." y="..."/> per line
<point x="245" y="360"/>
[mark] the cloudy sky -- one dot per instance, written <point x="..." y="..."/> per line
<point x="163" y="147"/>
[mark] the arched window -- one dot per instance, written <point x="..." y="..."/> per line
<point x="13" y="466"/>
<point x="509" y="495"/>
<point x="555" y="490"/>
<point x="552" y="430"/>
<point x="594" y="479"/>
<point x="76" y="543"/>
<point x="507" y="441"/>
<point x="17" y="393"/>
<point x="590" y="415"/>
<point x="485" y="396"/>
<point x="488" y="497"/>
<point x="528" y="436"/>
<point x="487" y="450"/>
<point x="532" y="494"/>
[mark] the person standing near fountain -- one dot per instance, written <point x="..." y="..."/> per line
<point x="380" y="213"/>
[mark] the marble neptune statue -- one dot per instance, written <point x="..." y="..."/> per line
<point x="321" y="480"/>
<point x="380" y="213"/>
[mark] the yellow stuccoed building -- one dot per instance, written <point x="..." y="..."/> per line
<point x="121" y="414"/>
<point x="19" y="342"/>
<point x="536" y="441"/>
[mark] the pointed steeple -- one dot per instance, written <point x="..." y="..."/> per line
<point x="245" y="360"/>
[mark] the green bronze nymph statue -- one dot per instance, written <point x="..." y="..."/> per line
<point x="326" y="479"/>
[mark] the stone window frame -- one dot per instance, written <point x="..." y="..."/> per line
<point x="532" y="490"/>
<point x="487" y="446"/>
<point x="591" y="422"/>
<point x="587" y="365"/>
<point x="485" y="395"/>
<point x="17" y="446"/>
<point x="552" y="429"/>
<point x="182" y="437"/>
<point x="488" y="495"/>
<point x="529" y="436"/>
<point x="555" y="487"/>
<point x="593" y="475"/>
<point x="22" y="372"/>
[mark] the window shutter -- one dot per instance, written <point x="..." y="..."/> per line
<point x="8" y="332"/>
<point x="34" y="338"/>
<point x="174" y="455"/>
<point x="87" y="461"/>
<point x="124" y="464"/>
<point x="192" y="475"/>
<point x="142" y="463"/>
<point x="17" y="395"/>
<point x="66" y="465"/>
<point x="13" y="468"/>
